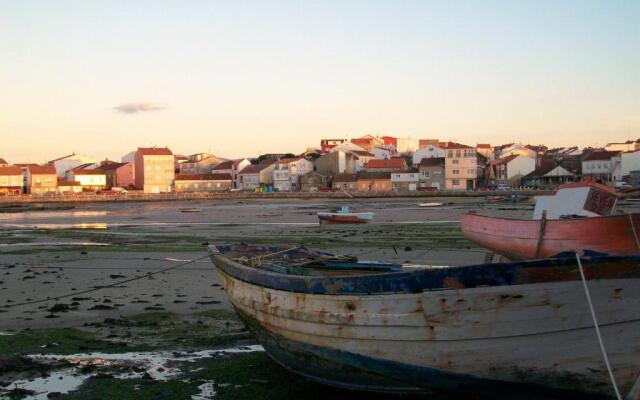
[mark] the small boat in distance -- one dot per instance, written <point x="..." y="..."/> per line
<point x="387" y="328"/>
<point x="428" y="205"/>
<point x="191" y="210"/>
<point x="345" y="216"/>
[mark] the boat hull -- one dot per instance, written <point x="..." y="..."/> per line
<point x="340" y="218"/>
<point x="520" y="239"/>
<point x="526" y="334"/>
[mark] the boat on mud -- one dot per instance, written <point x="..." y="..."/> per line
<point x="430" y="205"/>
<point x="345" y="216"/>
<point x="578" y="217"/>
<point x="191" y="210"/>
<point x="391" y="328"/>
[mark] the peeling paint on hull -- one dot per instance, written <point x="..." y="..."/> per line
<point x="511" y="332"/>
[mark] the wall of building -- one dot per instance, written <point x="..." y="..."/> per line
<point x="461" y="169"/>
<point x="202" y="186"/>
<point x="374" y="185"/>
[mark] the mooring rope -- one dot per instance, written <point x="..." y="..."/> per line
<point x="95" y="289"/>
<point x="595" y="324"/>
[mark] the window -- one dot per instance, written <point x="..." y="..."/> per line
<point x="425" y="174"/>
<point x="456" y="161"/>
<point x="455" y="172"/>
<point x="458" y="153"/>
<point x="472" y="171"/>
<point x="455" y="182"/>
<point x="450" y="154"/>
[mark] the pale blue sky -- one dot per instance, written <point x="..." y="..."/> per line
<point x="242" y="78"/>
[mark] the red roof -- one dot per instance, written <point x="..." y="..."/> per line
<point x="601" y="155"/>
<point x="362" y="153"/>
<point x="223" y="165"/>
<point x="503" y="160"/>
<point x="454" y="145"/>
<point x="3" y="161"/>
<point x="592" y="184"/>
<point x="155" y="151"/>
<point x="394" y="163"/>
<point x="203" y="177"/>
<point x="483" y="146"/>
<point x="64" y="182"/>
<point x="432" y="162"/>
<point x="4" y="171"/>
<point x="41" y="170"/>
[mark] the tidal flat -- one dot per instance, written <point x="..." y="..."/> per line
<point x="171" y="316"/>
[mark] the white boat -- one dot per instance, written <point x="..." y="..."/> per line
<point x="427" y="205"/>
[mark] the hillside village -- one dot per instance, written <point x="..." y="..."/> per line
<point x="364" y="164"/>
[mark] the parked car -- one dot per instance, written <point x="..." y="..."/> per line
<point x="503" y="186"/>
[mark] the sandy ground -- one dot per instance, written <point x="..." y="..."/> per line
<point x="50" y="253"/>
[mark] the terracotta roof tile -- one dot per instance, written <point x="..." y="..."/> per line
<point x="41" y="170"/>
<point x="398" y="163"/>
<point x="5" y="171"/>
<point x="601" y="155"/>
<point x="155" y="151"/>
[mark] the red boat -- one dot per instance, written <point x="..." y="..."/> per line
<point x="519" y="239"/>
<point x="344" y="216"/>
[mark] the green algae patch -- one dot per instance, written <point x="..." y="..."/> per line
<point x="57" y="341"/>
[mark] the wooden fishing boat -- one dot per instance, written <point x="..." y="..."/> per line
<point x="519" y="239"/>
<point x="345" y="216"/>
<point x="577" y="218"/>
<point x="447" y="329"/>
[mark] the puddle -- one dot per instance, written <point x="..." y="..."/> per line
<point x="63" y="381"/>
<point x="155" y="364"/>
<point x="39" y="244"/>
<point x="207" y="391"/>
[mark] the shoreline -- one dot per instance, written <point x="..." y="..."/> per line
<point x="148" y="197"/>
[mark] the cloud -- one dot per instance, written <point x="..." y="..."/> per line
<point x="134" y="108"/>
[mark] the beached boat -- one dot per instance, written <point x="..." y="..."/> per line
<point x="519" y="239"/>
<point x="191" y="210"/>
<point x="429" y="205"/>
<point x="345" y="216"/>
<point x="439" y="329"/>
<point x="578" y="217"/>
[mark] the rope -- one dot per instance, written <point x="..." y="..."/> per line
<point x="95" y="289"/>
<point x="595" y="324"/>
<point x="633" y="229"/>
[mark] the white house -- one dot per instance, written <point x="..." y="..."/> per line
<point x="287" y="173"/>
<point x="407" y="145"/>
<point x="66" y="163"/>
<point x="362" y="158"/>
<point x="603" y="165"/>
<point x="430" y="151"/>
<point x="381" y="153"/>
<point x="405" y="181"/>
<point x="630" y="161"/>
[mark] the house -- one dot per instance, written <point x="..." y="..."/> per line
<point x="328" y="144"/>
<point x="509" y="169"/>
<point x="178" y="160"/>
<point x="428" y="151"/>
<point x="3" y="162"/>
<point x="362" y="158"/>
<point x="314" y="181"/>
<point x="368" y="142"/>
<point x="390" y="141"/>
<point x="203" y="182"/>
<point x="405" y="181"/>
<point x="382" y="153"/>
<point x="200" y="163"/>
<point x="406" y="145"/>
<point x="90" y="179"/>
<point x="287" y="172"/>
<point x="486" y="150"/>
<point x="602" y="165"/>
<point x="154" y="169"/>
<point x="336" y="162"/>
<point x="254" y="176"/>
<point x="461" y="167"/>
<point x="11" y="180"/>
<point x="431" y="172"/>
<point x="550" y="174"/>
<point x="629" y="145"/>
<point x="69" y="162"/>
<point x="629" y="161"/>
<point x="388" y="165"/>
<point x="374" y="182"/>
<point x="347" y="147"/>
<point x="515" y="148"/>
<point x="118" y="174"/>
<point x="344" y="182"/>
<point x="231" y="167"/>
<point x="41" y="179"/>
<point x="68" y="187"/>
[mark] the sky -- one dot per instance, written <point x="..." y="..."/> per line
<point x="242" y="78"/>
